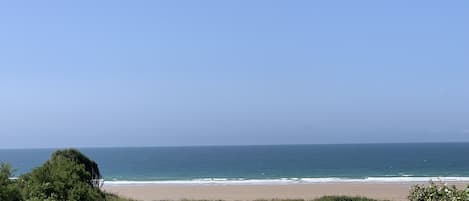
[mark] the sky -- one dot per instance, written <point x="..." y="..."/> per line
<point x="174" y="73"/>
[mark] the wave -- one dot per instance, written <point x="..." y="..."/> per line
<point x="242" y="181"/>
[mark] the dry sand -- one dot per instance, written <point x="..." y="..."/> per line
<point x="388" y="191"/>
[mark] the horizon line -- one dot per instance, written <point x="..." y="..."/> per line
<point x="232" y="145"/>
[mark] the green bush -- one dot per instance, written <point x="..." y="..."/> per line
<point x="60" y="179"/>
<point x="9" y="190"/>
<point x="67" y="176"/>
<point x="438" y="192"/>
<point x="91" y="167"/>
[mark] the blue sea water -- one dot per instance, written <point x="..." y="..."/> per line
<point x="276" y="163"/>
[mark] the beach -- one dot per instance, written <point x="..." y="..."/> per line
<point x="386" y="191"/>
<point x="380" y="171"/>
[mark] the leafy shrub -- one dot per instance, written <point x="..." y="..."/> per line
<point x="9" y="190"/>
<point x="62" y="178"/>
<point x="76" y="156"/>
<point x="67" y="176"/>
<point x="438" y="192"/>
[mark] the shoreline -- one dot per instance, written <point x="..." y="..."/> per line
<point x="286" y="181"/>
<point x="151" y="192"/>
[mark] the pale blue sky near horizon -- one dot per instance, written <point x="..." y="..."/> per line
<point x="170" y="73"/>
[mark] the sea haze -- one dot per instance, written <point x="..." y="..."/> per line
<point x="268" y="164"/>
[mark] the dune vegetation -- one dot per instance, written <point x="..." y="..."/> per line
<point x="69" y="175"/>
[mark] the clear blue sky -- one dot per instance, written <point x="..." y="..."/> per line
<point x="144" y="73"/>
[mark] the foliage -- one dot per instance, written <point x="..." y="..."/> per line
<point x="9" y="190"/>
<point x="67" y="176"/>
<point x="61" y="178"/>
<point x="76" y="156"/>
<point x="438" y="192"/>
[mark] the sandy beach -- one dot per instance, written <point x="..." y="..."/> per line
<point x="388" y="191"/>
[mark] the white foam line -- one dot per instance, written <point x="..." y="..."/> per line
<point x="223" y="181"/>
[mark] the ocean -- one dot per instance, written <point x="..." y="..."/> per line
<point x="268" y="164"/>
